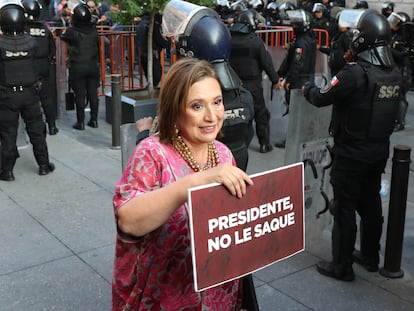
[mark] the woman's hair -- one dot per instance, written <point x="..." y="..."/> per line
<point x="174" y="91"/>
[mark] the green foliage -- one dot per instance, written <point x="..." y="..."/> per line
<point x="134" y="8"/>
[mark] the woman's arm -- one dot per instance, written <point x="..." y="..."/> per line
<point x="146" y="212"/>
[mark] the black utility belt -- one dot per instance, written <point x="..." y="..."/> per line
<point x="19" y="88"/>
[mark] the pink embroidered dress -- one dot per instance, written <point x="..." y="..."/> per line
<point x="154" y="272"/>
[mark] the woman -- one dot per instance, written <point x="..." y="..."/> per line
<point x="153" y="268"/>
<point x="83" y="50"/>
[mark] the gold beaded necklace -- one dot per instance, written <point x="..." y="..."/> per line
<point x="213" y="158"/>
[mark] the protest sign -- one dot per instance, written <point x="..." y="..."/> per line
<point x="233" y="237"/>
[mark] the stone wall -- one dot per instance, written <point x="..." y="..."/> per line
<point x="406" y="6"/>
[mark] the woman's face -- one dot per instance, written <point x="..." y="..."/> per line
<point x="203" y="114"/>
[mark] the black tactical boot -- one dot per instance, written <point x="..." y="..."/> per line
<point x="265" y="148"/>
<point x="370" y="264"/>
<point x="45" y="169"/>
<point x="336" y="271"/>
<point x="79" y="126"/>
<point x="281" y="144"/>
<point x="6" y="176"/>
<point x="53" y="130"/>
<point x="93" y="123"/>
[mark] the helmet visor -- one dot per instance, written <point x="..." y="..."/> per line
<point x="296" y="16"/>
<point x="178" y="15"/>
<point x="350" y="18"/>
<point x="394" y="19"/>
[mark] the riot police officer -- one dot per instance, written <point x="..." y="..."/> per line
<point x="365" y="96"/>
<point x="298" y="65"/>
<point x="249" y="58"/>
<point x="339" y="45"/>
<point x="19" y="85"/>
<point x="45" y="62"/>
<point x="82" y="38"/>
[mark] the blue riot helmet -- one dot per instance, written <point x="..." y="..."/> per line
<point x="198" y="31"/>
<point x="12" y="19"/>
<point x="372" y="35"/>
<point x="32" y="9"/>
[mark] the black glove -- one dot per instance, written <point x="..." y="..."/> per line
<point x="306" y="88"/>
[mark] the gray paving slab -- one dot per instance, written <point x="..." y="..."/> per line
<point x="65" y="284"/>
<point x="321" y="293"/>
<point x="24" y="241"/>
<point x="101" y="260"/>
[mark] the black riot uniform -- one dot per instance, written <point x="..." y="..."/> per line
<point x="365" y="96"/>
<point x="249" y="58"/>
<point x="298" y="66"/>
<point x="19" y="85"/>
<point x="158" y="44"/>
<point x="340" y="43"/>
<point x="83" y="50"/>
<point x="402" y="30"/>
<point x="45" y="62"/>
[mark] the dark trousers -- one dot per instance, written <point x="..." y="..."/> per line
<point x="84" y="80"/>
<point x="356" y="187"/>
<point x="48" y="99"/>
<point x="156" y="67"/>
<point x="261" y="113"/>
<point x="25" y="103"/>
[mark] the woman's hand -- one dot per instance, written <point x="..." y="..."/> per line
<point x="233" y="178"/>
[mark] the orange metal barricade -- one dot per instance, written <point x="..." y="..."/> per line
<point x="279" y="36"/>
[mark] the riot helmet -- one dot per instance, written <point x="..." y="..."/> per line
<point x="387" y="8"/>
<point x="255" y="4"/>
<point x="238" y="6"/>
<point x="272" y="6"/>
<point x="360" y="4"/>
<point x="336" y="12"/>
<point x="81" y="14"/>
<point x="395" y="20"/>
<point x="32" y="8"/>
<point x="372" y="35"/>
<point x="300" y="20"/>
<point x="12" y="19"/>
<point x="250" y="18"/>
<point x="405" y="17"/>
<point x="318" y="7"/>
<point x="198" y="31"/>
<point x="272" y="10"/>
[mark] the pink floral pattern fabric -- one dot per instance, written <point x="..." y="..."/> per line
<point x="155" y="272"/>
